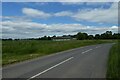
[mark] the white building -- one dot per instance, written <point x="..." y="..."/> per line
<point x="62" y="38"/>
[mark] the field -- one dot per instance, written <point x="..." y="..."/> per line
<point x="114" y="62"/>
<point x="16" y="51"/>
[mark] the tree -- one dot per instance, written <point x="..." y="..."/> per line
<point x="90" y="37"/>
<point x="107" y="35"/>
<point x="49" y="38"/>
<point x="44" y="38"/>
<point x="103" y="36"/>
<point x="97" y="36"/>
<point x="116" y="36"/>
<point x="54" y="36"/>
<point x="82" y="36"/>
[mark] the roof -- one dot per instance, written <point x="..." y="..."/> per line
<point x="62" y="37"/>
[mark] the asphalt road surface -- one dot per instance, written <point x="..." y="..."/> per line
<point x="84" y="62"/>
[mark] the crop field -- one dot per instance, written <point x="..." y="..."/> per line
<point x="16" y="51"/>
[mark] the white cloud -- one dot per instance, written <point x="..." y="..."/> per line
<point x="72" y="3"/>
<point x="64" y="13"/>
<point x="100" y="15"/>
<point x="87" y="3"/>
<point x="80" y="0"/>
<point x="16" y="18"/>
<point x="98" y="3"/>
<point x="15" y="29"/>
<point x="61" y="1"/>
<point x="35" y="13"/>
<point x="22" y="27"/>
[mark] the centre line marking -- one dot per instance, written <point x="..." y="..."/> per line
<point x="50" y="68"/>
<point x="86" y="51"/>
<point x="98" y="46"/>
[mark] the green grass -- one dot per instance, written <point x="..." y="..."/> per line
<point x="16" y="51"/>
<point x="113" y="70"/>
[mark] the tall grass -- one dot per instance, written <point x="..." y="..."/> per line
<point x="15" y="51"/>
<point x="113" y="70"/>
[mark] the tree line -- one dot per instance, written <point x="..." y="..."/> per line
<point x="106" y="35"/>
<point x="79" y="36"/>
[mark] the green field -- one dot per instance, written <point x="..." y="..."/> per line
<point x="113" y="70"/>
<point x="16" y="51"/>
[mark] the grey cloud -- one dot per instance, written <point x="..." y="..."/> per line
<point x="32" y="29"/>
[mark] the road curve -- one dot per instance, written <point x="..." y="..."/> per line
<point x="84" y="62"/>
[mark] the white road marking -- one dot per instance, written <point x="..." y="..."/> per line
<point x="113" y="43"/>
<point x="50" y="68"/>
<point x="87" y="51"/>
<point x="98" y="46"/>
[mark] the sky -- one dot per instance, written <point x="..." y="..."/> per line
<point x="37" y="19"/>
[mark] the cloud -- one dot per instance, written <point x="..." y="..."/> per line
<point x="15" y="29"/>
<point x="35" y="13"/>
<point x="64" y="13"/>
<point x="15" y="18"/>
<point x="80" y="0"/>
<point x="21" y="29"/>
<point x="87" y="3"/>
<point x="24" y="27"/>
<point x="98" y="3"/>
<point x="72" y="3"/>
<point x="61" y="1"/>
<point x="99" y="15"/>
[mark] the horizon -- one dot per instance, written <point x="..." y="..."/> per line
<point x="57" y="36"/>
<point x="37" y="19"/>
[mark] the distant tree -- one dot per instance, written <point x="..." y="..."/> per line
<point x="64" y="36"/>
<point x="103" y="36"/>
<point x="107" y="35"/>
<point x="73" y="36"/>
<point x="90" y="37"/>
<point x="97" y="36"/>
<point x="116" y="36"/>
<point x="85" y="35"/>
<point x="82" y="36"/>
<point x="10" y="39"/>
<point x="79" y="36"/>
<point x="16" y="39"/>
<point x="44" y="38"/>
<point x="54" y="36"/>
<point x="49" y="38"/>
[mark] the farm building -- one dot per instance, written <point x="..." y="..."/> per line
<point x="62" y="38"/>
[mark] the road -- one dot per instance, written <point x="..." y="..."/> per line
<point x="84" y="62"/>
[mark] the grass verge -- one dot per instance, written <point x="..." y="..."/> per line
<point x="16" y="51"/>
<point x="113" y="67"/>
